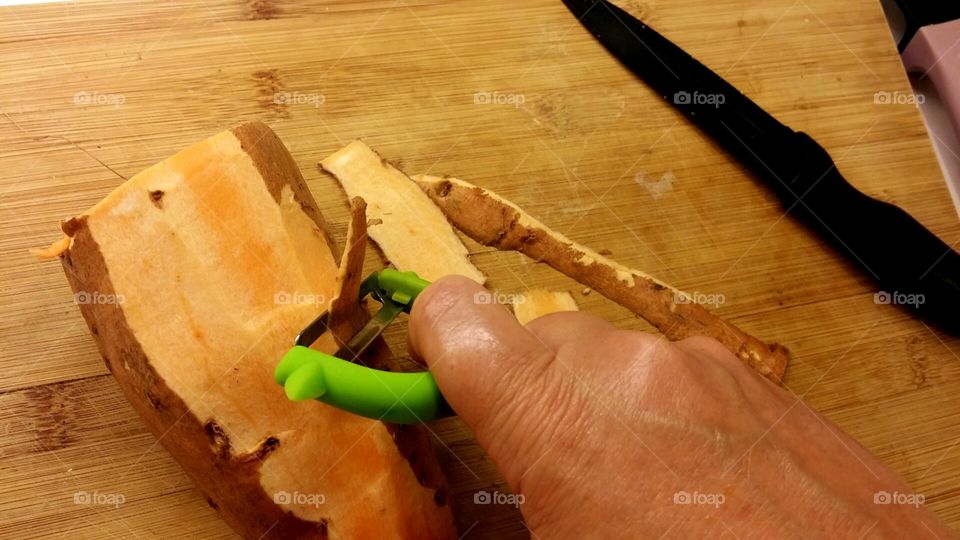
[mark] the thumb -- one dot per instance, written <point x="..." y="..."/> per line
<point x="488" y="366"/>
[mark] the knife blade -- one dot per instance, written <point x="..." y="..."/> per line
<point x="912" y="267"/>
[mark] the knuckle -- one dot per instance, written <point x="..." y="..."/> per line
<point x="709" y="346"/>
<point x="642" y="347"/>
<point x="709" y="350"/>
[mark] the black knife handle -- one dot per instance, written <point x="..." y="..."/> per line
<point x="913" y="268"/>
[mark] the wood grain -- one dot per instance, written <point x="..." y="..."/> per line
<point x="576" y="141"/>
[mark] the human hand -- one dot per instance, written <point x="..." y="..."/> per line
<point x="612" y="433"/>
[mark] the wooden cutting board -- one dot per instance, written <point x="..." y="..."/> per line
<point x="511" y="95"/>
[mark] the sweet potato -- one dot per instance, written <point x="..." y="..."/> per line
<point x="197" y="274"/>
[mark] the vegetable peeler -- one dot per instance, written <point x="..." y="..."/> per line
<point x="400" y="398"/>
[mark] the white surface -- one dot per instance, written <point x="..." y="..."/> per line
<point x="945" y="141"/>
<point x="942" y="136"/>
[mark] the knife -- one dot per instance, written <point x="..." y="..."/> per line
<point x="912" y="267"/>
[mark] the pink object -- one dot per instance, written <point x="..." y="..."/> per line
<point x="935" y="52"/>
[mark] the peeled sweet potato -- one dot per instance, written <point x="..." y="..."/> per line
<point x="195" y="276"/>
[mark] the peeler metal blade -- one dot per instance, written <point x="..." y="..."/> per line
<point x="396" y="397"/>
<point x="355" y="346"/>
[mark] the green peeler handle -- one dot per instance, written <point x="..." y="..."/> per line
<point x="401" y="287"/>
<point x="400" y="398"/>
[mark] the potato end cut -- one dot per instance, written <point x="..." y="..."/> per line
<point x="536" y="303"/>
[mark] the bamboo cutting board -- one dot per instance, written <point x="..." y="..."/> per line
<point x="514" y="96"/>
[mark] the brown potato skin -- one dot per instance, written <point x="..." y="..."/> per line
<point x="489" y="220"/>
